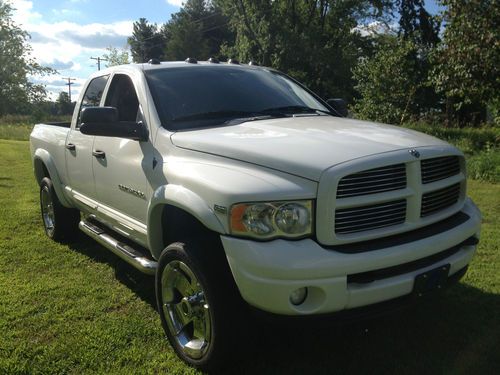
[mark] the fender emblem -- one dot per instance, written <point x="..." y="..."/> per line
<point x="129" y="190"/>
<point x="414" y="153"/>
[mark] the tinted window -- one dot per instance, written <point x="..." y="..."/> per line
<point x="122" y="96"/>
<point x="187" y="91"/>
<point x="93" y="94"/>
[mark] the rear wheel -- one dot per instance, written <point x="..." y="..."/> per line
<point x="198" y="308"/>
<point x="60" y="223"/>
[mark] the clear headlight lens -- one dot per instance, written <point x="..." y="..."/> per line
<point x="266" y="220"/>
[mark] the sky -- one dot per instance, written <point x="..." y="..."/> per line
<point x="65" y="34"/>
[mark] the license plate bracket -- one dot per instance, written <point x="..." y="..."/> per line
<point x="431" y="280"/>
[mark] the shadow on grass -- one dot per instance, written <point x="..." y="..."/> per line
<point x="455" y="331"/>
<point x="141" y="284"/>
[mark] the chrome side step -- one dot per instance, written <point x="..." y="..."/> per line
<point x="124" y="251"/>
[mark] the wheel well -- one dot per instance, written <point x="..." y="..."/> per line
<point x="41" y="170"/>
<point x="179" y="225"/>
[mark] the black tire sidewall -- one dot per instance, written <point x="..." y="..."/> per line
<point x="65" y="219"/>
<point x="220" y="321"/>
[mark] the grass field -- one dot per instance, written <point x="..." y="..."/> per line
<point x="79" y="309"/>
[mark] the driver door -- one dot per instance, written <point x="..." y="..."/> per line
<point x="120" y="166"/>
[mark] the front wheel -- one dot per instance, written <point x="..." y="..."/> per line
<point x="194" y="306"/>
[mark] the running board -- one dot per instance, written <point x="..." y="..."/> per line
<point x="124" y="251"/>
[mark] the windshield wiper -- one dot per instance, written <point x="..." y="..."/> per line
<point x="215" y="115"/>
<point x="293" y="109"/>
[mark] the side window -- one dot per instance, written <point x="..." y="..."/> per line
<point x="93" y="94"/>
<point x="123" y="97"/>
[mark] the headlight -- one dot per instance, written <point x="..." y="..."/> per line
<point x="266" y="220"/>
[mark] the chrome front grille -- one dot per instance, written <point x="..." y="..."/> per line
<point x="371" y="181"/>
<point x="385" y="200"/>
<point x="438" y="200"/>
<point x="360" y="219"/>
<point x="439" y="168"/>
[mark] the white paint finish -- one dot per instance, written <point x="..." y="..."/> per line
<point x="266" y="272"/>
<point x="79" y="163"/>
<point x="303" y="146"/>
<point x="327" y="201"/>
<point x="271" y="160"/>
<point x="127" y="162"/>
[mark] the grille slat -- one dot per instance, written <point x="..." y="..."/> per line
<point x="438" y="174"/>
<point x="370" y="227"/>
<point x="373" y="181"/>
<point x="439" y="168"/>
<point x="364" y="218"/>
<point x="380" y="174"/>
<point x="383" y="181"/>
<point x="441" y="195"/>
<point x="438" y="200"/>
<point x="365" y="208"/>
<point x="369" y="219"/>
<point x="372" y="186"/>
<point x="389" y="178"/>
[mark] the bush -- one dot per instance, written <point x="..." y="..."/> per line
<point x="480" y="145"/>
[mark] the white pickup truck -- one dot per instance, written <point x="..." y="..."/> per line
<point x="238" y="186"/>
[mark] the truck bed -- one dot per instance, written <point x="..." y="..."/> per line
<point x="58" y="123"/>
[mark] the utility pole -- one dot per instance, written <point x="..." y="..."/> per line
<point x="69" y="85"/>
<point x="99" y="59"/>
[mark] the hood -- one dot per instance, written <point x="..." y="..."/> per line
<point x="304" y="146"/>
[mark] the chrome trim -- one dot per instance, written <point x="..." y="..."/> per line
<point x="186" y="309"/>
<point x="47" y="207"/>
<point x="125" y="252"/>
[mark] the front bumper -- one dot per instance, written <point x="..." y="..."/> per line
<point x="267" y="272"/>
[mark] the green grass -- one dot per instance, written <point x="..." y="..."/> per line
<point x="79" y="309"/>
<point x="19" y="132"/>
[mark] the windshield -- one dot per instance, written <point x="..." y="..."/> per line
<point x="203" y="96"/>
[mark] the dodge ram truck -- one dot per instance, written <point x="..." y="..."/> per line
<point x="238" y="187"/>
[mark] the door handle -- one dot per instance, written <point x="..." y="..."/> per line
<point x="71" y="146"/>
<point x="99" y="154"/>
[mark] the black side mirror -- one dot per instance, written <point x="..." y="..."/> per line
<point x="339" y="106"/>
<point x="103" y="121"/>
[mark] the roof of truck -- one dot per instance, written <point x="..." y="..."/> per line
<point x="177" y="64"/>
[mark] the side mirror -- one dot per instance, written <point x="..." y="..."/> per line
<point x="339" y="105"/>
<point x="103" y="121"/>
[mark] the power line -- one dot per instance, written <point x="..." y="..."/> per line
<point x="99" y="59"/>
<point x="69" y="85"/>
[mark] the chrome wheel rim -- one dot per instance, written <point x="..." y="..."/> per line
<point x="186" y="309"/>
<point x="47" y="210"/>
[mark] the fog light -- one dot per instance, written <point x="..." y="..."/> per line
<point x="298" y="296"/>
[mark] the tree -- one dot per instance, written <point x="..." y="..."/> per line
<point x="467" y="63"/>
<point x="394" y="83"/>
<point x="63" y="104"/>
<point x="146" y="42"/>
<point x="388" y="83"/>
<point x="416" y="24"/>
<point x="314" y="41"/>
<point x="115" y="57"/>
<point x="17" y="93"/>
<point x="197" y="30"/>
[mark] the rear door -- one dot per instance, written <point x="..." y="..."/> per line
<point x="79" y="146"/>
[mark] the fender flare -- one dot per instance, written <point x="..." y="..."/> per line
<point x="185" y="199"/>
<point x="48" y="161"/>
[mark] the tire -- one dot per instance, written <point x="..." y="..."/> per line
<point x="60" y="223"/>
<point x="198" y="304"/>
